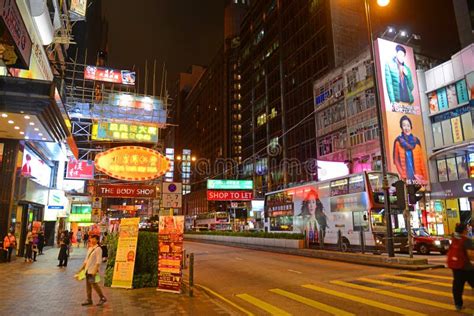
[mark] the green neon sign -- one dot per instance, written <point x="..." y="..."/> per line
<point x="230" y="184"/>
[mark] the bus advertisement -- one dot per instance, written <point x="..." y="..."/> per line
<point x="347" y="210"/>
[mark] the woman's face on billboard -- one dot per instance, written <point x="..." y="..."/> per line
<point x="312" y="206"/>
<point x="406" y="127"/>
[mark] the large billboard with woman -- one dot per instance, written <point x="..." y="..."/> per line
<point x="401" y="108"/>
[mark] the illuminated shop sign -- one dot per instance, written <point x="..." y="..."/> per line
<point x="230" y="184"/>
<point x="125" y="132"/>
<point x="132" y="163"/>
<point x="229" y="195"/>
<point x="15" y="34"/>
<point x="135" y="102"/>
<point x="131" y="191"/>
<point x="80" y="169"/>
<point x="124" y="77"/>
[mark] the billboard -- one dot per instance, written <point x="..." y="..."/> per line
<point x="331" y="169"/>
<point x="124" y="131"/>
<point x="35" y="168"/>
<point x="80" y="169"/>
<point x="401" y="108"/>
<point x="124" y="77"/>
<point x="229" y="184"/>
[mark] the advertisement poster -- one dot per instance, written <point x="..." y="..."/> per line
<point x="451" y="93"/>
<point x="126" y="251"/>
<point x="400" y="102"/>
<point x="80" y="169"/>
<point x="35" y="168"/>
<point x="433" y="101"/>
<point x="170" y="253"/>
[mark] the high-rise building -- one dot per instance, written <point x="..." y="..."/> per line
<point x="285" y="47"/>
<point x="464" y="13"/>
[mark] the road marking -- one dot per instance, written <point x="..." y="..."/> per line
<point x="240" y="259"/>
<point x="263" y="305"/>
<point x="413" y="288"/>
<point x="321" y="306"/>
<point x="396" y="277"/>
<point x="400" y="296"/>
<point x="294" y="271"/>
<point x="450" y="278"/>
<point x="362" y="300"/>
<point x="225" y="300"/>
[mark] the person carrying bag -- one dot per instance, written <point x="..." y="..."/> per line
<point x="90" y="268"/>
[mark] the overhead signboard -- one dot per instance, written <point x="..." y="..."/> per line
<point x="122" y="190"/>
<point x="400" y="102"/>
<point x="132" y="163"/>
<point x="80" y="169"/>
<point x="230" y="184"/>
<point x="129" y="132"/>
<point x="13" y="33"/>
<point x="124" y="77"/>
<point x="213" y="195"/>
<point x="81" y="218"/>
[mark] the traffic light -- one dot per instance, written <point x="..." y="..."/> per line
<point x="400" y="193"/>
<point x="412" y="190"/>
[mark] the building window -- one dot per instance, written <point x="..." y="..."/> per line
<point x="261" y="119"/>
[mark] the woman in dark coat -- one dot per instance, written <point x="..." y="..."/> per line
<point x="63" y="250"/>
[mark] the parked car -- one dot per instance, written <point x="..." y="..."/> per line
<point x="424" y="243"/>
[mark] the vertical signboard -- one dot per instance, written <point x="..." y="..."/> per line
<point x="170" y="253"/>
<point x="400" y="102"/>
<point x="126" y="253"/>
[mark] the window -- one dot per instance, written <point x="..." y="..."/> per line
<point x="442" y="170"/>
<point x="339" y="187"/>
<point x="261" y="119"/>
<point x="462" y="165"/>
<point x="466" y="120"/>
<point x="437" y="134"/>
<point x="452" y="170"/>
<point x="356" y="184"/>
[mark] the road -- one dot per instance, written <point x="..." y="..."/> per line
<point x="262" y="283"/>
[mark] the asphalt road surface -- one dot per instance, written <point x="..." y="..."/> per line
<point x="262" y="283"/>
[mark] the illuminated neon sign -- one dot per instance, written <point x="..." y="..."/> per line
<point x="125" y="132"/>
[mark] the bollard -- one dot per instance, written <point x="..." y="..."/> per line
<point x="183" y="263"/>
<point x="321" y="239"/>
<point x="191" y="273"/>
<point x="339" y="240"/>
<point x="362" y="244"/>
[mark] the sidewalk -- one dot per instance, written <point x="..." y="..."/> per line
<point x="41" y="288"/>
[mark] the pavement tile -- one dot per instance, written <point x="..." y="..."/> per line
<point x="41" y="288"/>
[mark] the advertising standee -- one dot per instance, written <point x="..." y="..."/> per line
<point x="170" y="253"/>
<point x="126" y="253"/>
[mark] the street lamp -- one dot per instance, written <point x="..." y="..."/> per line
<point x="385" y="184"/>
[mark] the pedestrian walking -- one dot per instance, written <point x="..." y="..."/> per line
<point x="34" y="246"/>
<point x="460" y="264"/>
<point x="41" y="241"/>
<point x="91" y="266"/>
<point x="86" y="239"/>
<point x="9" y="244"/>
<point x="103" y="245"/>
<point x="79" y="237"/>
<point x="29" y="247"/>
<point x="63" y="253"/>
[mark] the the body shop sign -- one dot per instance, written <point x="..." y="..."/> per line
<point x="15" y="33"/>
<point x="80" y="169"/>
<point x="213" y="195"/>
<point x="130" y="191"/>
<point x="132" y="163"/>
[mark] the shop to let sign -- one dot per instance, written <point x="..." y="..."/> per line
<point x="230" y="184"/>
<point x="131" y="191"/>
<point x="125" y="132"/>
<point x="132" y="163"/>
<point x="229" y="195"/>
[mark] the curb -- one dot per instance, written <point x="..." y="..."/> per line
<point x="362" y="259"/>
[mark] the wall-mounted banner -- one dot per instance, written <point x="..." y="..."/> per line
<point x="126" y="191"/>
<point x="170" y="253"/>
<point x="80" y="169"/>
<point x="400" y="102"/>
<point x="126" y="253"/>
<point x="124" y="77"/>
<point x="213" y="195"/>
<point x="132" y="163"/>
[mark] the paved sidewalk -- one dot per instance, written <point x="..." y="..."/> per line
<point x="41" y="288"/>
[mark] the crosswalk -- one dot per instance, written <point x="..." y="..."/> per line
<point x="405" y="293"/>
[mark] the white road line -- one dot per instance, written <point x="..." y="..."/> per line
<point x="294" y="271"/>
<point x="240" y="259"/>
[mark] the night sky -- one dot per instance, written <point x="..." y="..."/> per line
<point x="185" y="32"/>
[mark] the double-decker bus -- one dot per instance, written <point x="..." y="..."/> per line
<point x="213" y="221"/>
<point x="343" y="210"/>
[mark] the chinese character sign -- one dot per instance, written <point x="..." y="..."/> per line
<point x="170" y="253"/>
<point x="124" y="77"/>
<point x="80" y="169"/>
<point x="132" y="163"/>
<point x="125" y="132"/>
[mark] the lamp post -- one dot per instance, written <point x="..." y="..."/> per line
<point x="385" y="185"/>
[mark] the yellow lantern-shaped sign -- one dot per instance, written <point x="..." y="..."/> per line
<point x="132" y="163"/>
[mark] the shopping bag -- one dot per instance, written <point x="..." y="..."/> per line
<point x="81" y="275"/>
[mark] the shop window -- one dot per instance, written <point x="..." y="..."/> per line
<point x="466" y="120"/>
<point x="442" y="170"/>
<point x="447" y="133"/>
<point x="437" y="134"/>
<point x="462" y="165"/>
<point x="452" y="170"/>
